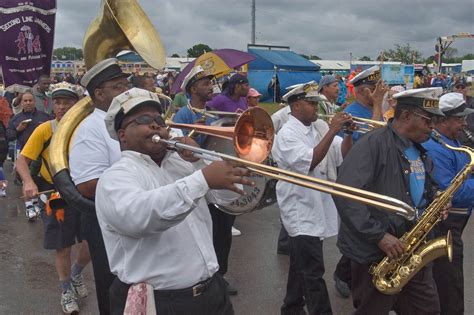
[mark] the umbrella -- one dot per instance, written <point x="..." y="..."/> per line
<point x="17" y="88"/>
<point x="217" y="62"/>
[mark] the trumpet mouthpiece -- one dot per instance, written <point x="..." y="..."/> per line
<point x="156" y="138"/>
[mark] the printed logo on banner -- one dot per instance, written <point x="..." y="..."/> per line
<point x="27" y="32"/>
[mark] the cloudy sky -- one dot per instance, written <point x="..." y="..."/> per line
<point x="330" y="29"/>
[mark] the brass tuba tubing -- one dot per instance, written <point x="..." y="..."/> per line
<point x="391" y="204"/>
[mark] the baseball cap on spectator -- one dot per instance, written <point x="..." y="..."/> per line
<point x="253" y="93"/>
<point x="326" y="80"/>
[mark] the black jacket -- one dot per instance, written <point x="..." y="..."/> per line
<point x="376" y="163"/>
<point x="37" y="118"/>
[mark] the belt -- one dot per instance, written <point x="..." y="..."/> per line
<point x="194" y="291"/>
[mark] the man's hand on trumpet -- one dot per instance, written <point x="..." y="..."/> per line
<point x="341" y="121"/>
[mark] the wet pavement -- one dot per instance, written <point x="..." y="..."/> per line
<point x="29" y="283"/>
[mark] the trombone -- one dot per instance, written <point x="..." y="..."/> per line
<point x="253" y="139"/>
<point x="364" y="125"/>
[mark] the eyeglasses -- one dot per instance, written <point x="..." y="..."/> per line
<point x="460" y="87"/>
<point x="428" y="119"/>
<point x="146" y="120"/>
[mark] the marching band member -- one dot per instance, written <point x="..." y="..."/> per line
<point x="448" y="275"/>
<point x="369" y="94"/>
<point x="92" y="152"/>
<point x="61" y="229"/>
<point x="152" y="208"/>
<point x="198" y="86"/>
<point x="309" y="216"/>
<point x="389" y="161"/>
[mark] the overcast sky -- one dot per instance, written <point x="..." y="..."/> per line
<point x="330" y="29"/>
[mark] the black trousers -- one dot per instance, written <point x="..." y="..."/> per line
<point x="305" y="278"/>
<point x="449" y="277"/>
<point x="213" y="301"/>
<point x="283" y="246"/>
<point x="100" y="263"/>
<point x="343" y="270"/>
<point x="221" y="236"/>
<point x="419" y="296"/>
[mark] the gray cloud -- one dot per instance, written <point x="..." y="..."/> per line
<point x="330" y="29"/>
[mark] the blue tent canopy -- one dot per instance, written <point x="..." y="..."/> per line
<point x="288" y="67"/>
<point x="282" y="59"/>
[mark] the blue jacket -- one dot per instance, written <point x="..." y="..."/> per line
<point x="447" y="164"/>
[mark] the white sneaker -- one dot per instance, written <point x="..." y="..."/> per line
<point x="30" y="213"/>
<point x="37" y="209"/>
<point x="235" y="232"/>
<point x="3" y="192"/>
<point x="69" y="302"/>
<point x="78" y="286"/>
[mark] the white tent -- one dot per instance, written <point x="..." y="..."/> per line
<point x="467" y="66"/>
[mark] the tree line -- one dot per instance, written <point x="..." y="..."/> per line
<point x="400" y="52"/>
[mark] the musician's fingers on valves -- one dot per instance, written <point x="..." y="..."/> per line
<point x="342" y="120"/>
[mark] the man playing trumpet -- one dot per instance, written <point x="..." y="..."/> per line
<point x="309" y="216"/>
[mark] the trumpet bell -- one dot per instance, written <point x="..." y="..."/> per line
<point x="122" y="25"/>
<point x="253" y="135"/>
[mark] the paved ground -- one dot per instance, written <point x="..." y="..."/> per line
<point x="28" y="282"/>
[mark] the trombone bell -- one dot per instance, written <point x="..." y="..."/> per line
<point x="252" y="135"/>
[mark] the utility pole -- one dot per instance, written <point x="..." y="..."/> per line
<point x="253" y="22"/>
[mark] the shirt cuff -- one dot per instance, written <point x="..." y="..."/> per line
<point x="195" y="187"/>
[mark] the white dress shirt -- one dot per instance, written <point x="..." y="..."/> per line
<point x="155" y="221"/>
<point x="93" y="150"/>
<point x="305" y="211"/>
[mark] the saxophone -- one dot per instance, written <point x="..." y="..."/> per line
<point x="390" y="276"/>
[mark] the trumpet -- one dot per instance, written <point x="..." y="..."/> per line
<point x="252" y="140"/>
<point x="364" y="125"/>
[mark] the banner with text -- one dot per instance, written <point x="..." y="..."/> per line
<point x="27" y="33"/>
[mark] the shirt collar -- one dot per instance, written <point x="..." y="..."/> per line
<point x="299" y="125"/>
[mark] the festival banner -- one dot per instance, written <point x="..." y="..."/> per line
<point x="27" y="37"/>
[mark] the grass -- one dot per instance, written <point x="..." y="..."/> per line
<point x="270" y="107"/>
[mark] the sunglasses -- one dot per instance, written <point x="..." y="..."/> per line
<point x="429" y="119"/>
<point x="146" y="120"/>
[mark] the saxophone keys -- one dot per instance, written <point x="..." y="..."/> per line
<point x="415" y="260"/>
<point x="404" y="272"/>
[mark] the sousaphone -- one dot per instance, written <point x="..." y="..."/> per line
<point x="120" y="25"/>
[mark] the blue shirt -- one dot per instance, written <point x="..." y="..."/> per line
<point x="186" y="116"/>
<point x="341" y="96"/>
<point x="417" y="175"/>
<point x="447" y="164"/>
<point x="358" y="110"/>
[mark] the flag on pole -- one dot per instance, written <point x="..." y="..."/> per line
<point x="27" y="33"/>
